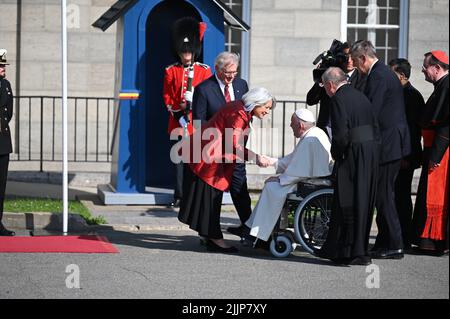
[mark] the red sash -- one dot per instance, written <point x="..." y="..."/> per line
<point x="437" y="195"/>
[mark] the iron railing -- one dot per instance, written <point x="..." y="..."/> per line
<point x="36" y="129"/>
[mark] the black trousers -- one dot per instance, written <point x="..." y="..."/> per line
<point x="178" y="191"/>
<point x="389" y="229"/>
<point x="4" y="163"/>
<point x="239" y="193"/>
<point x="403" y="203"/>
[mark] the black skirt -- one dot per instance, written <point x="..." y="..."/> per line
<point x="200" y="206"/>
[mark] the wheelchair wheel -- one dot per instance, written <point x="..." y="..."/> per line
<point x="282" y="247"/>
<point x="311" y="220"/>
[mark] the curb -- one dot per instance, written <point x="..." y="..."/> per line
<point x="54" y="221"/>
<point x="136" y="228"/>
<point x="46" y="221"/>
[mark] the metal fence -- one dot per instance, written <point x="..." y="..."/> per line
<point x="36" y="129"/>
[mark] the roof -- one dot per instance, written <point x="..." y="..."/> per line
<point x="121" y="7"/>
<point x="231" y="19"/>
<point x="117" y="10"/>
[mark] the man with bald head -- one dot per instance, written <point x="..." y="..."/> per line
<point x="311" y="158"/>
<point x="354" y="148"/>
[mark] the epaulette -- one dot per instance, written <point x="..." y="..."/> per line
<point x="172" y="65"/>
<point x="206" y="66"/>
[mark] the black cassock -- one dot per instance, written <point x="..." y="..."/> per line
<point x="355" y="149"/>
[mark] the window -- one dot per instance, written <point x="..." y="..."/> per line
<point x="233" y="38"/>
<point x="380" y="21"/>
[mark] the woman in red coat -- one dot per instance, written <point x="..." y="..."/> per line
<point x="214" y="150"/>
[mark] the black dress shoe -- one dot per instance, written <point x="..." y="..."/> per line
<point x="261" y="244"/>
<point x="360" y="261"/>
<point x="5" y="232"/>
<point x="240" y="231"/>
<point x="213" y="247"/>
<point x="429" y="252"/>
<point x="387" y="254"/>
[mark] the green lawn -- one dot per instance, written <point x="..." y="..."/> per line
<point x="27" y="205"/>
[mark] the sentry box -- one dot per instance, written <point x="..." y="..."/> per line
<point x="141" y="171"/>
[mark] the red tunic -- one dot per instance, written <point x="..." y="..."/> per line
<point x="222" y="145"/>
<point x="175" y="85"/>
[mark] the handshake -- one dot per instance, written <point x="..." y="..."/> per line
<point x="265" y="161"/>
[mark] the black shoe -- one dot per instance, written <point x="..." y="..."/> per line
<point x="339" y="261"/>
<point x="175" y="203"/>
<point x="5" y="232"/>
<point x="261" y="244"/>
<point x="360" y="260"/>
<point x="387" y="254"/>
<point x="240" y="231"/>
<point x="211" y="246"/>
<point x="429" y="252"/>
<point x="203" y="241"/>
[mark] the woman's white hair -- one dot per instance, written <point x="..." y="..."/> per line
<point x="256" y="97"/>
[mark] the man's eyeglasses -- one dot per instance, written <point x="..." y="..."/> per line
<point x="231" y="73"/>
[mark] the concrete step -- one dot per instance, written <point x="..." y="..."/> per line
<point x="255" y="178"/>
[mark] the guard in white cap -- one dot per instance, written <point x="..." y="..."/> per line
<point x="6" y="112"/>
<point x="310" y="158"/>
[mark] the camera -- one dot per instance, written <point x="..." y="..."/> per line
<point x="334" y="57"/>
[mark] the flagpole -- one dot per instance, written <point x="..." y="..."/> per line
<point x="64" y="114"/>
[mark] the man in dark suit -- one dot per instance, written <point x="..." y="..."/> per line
<point x="317" y="93"/>
<point x="414" y="106"/>
<point x="222" y="88"/>
<point x="355" y="149"/>
<point x="386" y="94"/>
<point x="6" y="111"/>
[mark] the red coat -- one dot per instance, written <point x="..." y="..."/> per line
<point x="175" y="85"/>
<point x="216" y="160"/>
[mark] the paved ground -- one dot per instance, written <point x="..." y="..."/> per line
<point x="172" y="264"/>
<point x="160" y="258"/>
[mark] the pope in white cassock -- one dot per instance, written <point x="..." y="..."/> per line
<point x="310" y="158"/>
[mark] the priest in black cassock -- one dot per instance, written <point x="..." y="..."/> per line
<point x="355" y="149"/>
<point x="430" y="222"/>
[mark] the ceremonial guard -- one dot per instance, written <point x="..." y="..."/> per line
<point x="180" y="80"/>
<point x="6" y="112"/>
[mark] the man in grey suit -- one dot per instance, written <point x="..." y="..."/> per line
<point x="221" y="88"/>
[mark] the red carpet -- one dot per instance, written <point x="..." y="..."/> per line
<point x="57" y="244"/>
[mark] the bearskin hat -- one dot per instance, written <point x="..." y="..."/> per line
<point x="187" y="35"/>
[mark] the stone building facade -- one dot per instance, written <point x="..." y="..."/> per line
<point x="285" y="38"/>
<point x="277" y="53"/>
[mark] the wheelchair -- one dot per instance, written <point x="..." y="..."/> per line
<point x="310" y="206"/>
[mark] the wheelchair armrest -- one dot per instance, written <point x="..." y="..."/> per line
<point x="310" y="185"/>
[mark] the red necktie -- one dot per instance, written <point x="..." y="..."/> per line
<point x="226" y="93"/>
